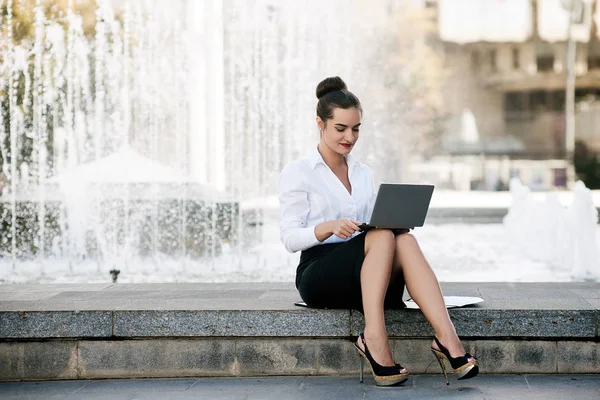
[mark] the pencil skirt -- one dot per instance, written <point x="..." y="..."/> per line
<point x="328" y="276"/>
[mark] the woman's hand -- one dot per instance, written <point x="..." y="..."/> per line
<point x="344" y="228"/>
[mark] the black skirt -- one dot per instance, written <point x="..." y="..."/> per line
<point x="328" y="276"/>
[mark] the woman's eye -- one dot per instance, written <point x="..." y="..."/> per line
<point x="340" y="130"/>
<point x="355" y="130"/>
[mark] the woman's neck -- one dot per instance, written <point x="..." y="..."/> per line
<point x="331" y="158"/>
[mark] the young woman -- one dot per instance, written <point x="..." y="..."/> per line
<point x="323" y="198"/>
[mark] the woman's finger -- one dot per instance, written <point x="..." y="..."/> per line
<point x="351" y="225"/>
<point x="340" y="233"/>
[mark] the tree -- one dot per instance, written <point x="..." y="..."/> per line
<point x="587" y="165"/>
<point x="22" y="31"/>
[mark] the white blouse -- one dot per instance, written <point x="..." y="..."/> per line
<point x="310" y="193"/>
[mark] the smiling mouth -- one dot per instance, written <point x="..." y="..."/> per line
<point x="346" y="144"/>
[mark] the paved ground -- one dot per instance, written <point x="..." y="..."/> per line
<point x="262" y="296"/>
<point x="530" y="387"/>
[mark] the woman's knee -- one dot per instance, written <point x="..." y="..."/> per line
<point x="405" y="239"/>
<point x="381" y="237"/>
<point x="404" y="243"/>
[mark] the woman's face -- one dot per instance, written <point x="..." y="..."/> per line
<point x="341" y="132"/>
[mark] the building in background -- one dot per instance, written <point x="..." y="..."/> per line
<point x="505" y="94"/>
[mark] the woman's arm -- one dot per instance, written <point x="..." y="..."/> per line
<point x="294" y="208"/>
<point x="342" y="228"/>
<point x="324" y="230"/>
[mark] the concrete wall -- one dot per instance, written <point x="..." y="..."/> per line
<point x="176" y="357"/>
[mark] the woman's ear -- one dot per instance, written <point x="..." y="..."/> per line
<point x="320" y="124"/>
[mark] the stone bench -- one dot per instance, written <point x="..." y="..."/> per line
<point x="86" y="331"/>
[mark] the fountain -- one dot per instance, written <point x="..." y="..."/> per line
<point x="131" y="133"/>
<point x="562" y="236"/>
<point x="74" y="95"/>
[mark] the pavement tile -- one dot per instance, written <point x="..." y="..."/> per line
<point x="591" y="293"/>
<point x="210" y="304"/>
<point x="594" y="303"/>
<point x="163" y="295"/>
<point x="496" y="387"/>
<point x="49" y="305"/>
<point x="25" y="296"/>
<point x="53" y="287"/>
<point x="137" y="385"/>
<point x="564" y="382"/>
<point x="535" y="303"/>
<point x="524" y="293"/>
<point x="43" y="388"/>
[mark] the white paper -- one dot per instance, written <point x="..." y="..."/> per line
<point x="451" y="302"/>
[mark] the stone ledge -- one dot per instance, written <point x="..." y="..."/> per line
<point x="55" y="324"/>
<point x="510" y="310"/>
<point x="267" y="323"/>
<point x="168" y="357"/>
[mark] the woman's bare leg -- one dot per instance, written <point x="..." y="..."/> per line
<point x="375" y="277"/>
<point x="424" y="288"/>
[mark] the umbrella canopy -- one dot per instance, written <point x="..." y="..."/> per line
<point x="122" y="167"/>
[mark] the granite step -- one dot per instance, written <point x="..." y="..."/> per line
<point x="87" y="331"/>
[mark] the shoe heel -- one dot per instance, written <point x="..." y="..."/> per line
<point x="464" y="367"/>
<point x="383" y="376"/>
<point x="361" y="364"/>
<point x="440" y="357"/>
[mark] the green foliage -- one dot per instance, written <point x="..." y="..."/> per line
<point x="23" y="33"/>
<point x="152" y="226"/>
<point x="587" y="165"/>
<point x="27" y="228"/>
<point x="23" y="16"/>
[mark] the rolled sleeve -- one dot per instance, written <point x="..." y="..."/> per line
<point x="294" y="209"/>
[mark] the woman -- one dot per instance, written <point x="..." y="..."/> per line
<point x="323" y="199"/>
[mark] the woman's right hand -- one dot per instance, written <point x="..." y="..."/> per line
<point x="344" y="228"/>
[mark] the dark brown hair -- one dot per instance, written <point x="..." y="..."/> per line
<point x="333" y="93"/>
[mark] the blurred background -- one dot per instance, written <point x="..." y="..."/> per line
<point x="143" y="139"/>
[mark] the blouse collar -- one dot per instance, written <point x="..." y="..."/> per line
<point x="315" y="158"/>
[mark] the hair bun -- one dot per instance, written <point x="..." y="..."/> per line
<point x="329" y="85"/>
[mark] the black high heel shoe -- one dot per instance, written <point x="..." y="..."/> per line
<point x="462" y="367"/>
<point x="384" y="376"/>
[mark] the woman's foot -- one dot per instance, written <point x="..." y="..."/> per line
<point x="453" y="345"/>
<point x="464" y="366"/>
<point x="379" y="349"/>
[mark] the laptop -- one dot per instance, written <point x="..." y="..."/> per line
<point x="399" y="206"/>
